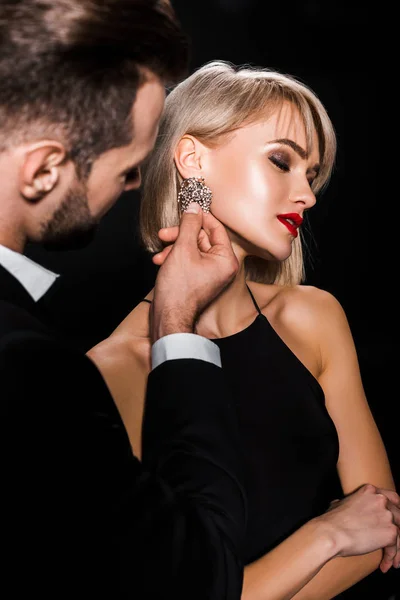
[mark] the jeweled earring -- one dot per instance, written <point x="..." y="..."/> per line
<point x="194" y="189"/>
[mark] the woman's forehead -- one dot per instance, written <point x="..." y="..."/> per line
<point x="283" y="121"/>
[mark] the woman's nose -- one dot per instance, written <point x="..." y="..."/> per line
<point x="303" y="195"/>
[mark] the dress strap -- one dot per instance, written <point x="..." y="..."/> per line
<point x="146" y="300"/>
<point x="254" y="300"/>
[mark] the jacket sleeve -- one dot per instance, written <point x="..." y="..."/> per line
<point x="79" y="507"/>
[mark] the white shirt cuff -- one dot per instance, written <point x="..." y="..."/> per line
<point x="184" y="345"/>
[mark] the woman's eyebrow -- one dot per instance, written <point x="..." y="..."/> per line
<point x="298" y="149"/>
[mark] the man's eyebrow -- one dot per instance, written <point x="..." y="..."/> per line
<point x="298" y="149"/>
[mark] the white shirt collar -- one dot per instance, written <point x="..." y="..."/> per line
<point x="36" y="279"/>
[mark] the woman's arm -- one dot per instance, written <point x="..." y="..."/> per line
<point x="124" y="361"/>
<point x="295" y="569"/>
<point x="362" y="455"/>
<point x="358" y="524"/>
<point x="338" y="575"/>
<point x="279" y="574"/>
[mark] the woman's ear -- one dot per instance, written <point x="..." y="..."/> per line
<point x="188" y="157"/>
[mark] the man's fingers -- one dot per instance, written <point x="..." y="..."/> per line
<point x="168" y="234"/>
<point x="194" y="225"/>
<point x="396" y="560"/>
<point x="395" y="512"/>
<point x="389" y="554"/>
<point x="203" y="241"/>
<point x="384" y="566"/>
<point x="215" y="230"/>
<point x="159" y="258"/>
<point x="334" y="503"/>
<point x="391" y="495"/>
<point x="190" y="226"/>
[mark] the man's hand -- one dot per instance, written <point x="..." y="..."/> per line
<point x="391" y="554"/>
<point x="365" y="521"/>
<point x="197" y="265"/>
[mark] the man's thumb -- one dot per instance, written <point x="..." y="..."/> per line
<point x="190" y="225"/>
<point x="193" y="208"/>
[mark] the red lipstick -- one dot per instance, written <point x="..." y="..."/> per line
<point x="292" y="221"/>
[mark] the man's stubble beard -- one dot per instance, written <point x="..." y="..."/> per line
<point x="72" y="225"/>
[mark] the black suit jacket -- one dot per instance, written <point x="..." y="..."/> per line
<point x="81" y="516"/>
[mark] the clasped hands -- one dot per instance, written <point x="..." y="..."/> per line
<point x="366" y="520"/>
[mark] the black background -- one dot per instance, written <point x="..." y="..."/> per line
<point x="337" y="48"/>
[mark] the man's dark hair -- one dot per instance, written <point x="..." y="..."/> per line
<point x="71" y="69"/>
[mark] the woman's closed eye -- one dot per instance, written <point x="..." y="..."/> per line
<point x="280" y="162"/>
<point x="284" y="165"/>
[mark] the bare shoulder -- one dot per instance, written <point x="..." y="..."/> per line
<point x="124" y="360"/>
<point x="128" y="344"/>
<point x="311" y="304"/>
<point x="310" y="320"/>
<point x="297" y="303"/>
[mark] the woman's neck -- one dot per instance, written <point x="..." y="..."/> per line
<point x="230" y="312"/>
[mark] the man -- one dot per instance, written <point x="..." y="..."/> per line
<point x="81" y="94"/>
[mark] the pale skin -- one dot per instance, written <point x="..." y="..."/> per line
<point x="249" y="190"/>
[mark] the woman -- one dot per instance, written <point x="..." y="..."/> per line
<point x="262" y="145"/>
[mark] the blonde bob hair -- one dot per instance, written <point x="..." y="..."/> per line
<point x="213" y="102"/>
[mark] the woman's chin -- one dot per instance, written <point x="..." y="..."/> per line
<point x="271" y="249"/>
<point x="275" y="255"/>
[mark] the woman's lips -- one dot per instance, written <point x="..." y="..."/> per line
<point x="292" y="222"/>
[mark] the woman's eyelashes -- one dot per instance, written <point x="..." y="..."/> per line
<point x="283" y="163"/>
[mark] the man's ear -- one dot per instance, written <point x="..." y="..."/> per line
<point x="40" y="171"/>
<point x="188" y="157"/>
